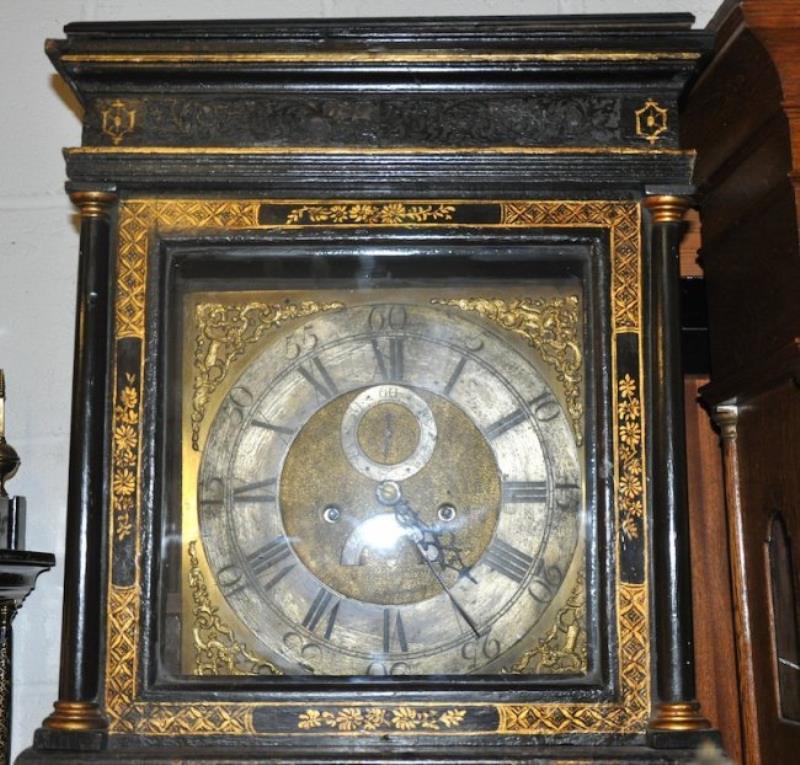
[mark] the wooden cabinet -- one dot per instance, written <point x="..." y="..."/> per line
<point x="743" y="118"/>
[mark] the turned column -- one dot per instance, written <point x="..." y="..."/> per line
<point x="77" y="708"/>
<point x="676" y="708"/>
<point x="726" y="417"/>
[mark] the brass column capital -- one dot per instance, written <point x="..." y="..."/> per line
<point x="665" y="208"/>
<point x="93" y="204"/>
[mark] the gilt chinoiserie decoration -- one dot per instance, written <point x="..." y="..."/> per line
<point x="377" y="458"/>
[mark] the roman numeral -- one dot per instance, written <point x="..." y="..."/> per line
<point x="317" y="610"/>
<point x="272" y="427"/>
<point x="525" y="491"/>
<point x="507" y="560"/>
<point x="390" y="368"/>
<point x="451" y="383"/>
<point x="249" y="492"/>
<point x="399" y="629"/>
<point x="324" y="386"/>
<point x="267" y="556"/>
<point x="506" y="423"/>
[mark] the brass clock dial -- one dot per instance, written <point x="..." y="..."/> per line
<point x="391" y="488"/>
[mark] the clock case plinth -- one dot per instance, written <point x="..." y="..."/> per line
<point x="549" y="130"/>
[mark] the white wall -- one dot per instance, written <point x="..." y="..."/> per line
<point x="38" y="256"/>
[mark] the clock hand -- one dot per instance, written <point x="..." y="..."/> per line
<point x="430" y="550"/>
<point x="452" y="597"/>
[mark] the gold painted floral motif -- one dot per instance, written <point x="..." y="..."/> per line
<point x="563" y="649"/>
<point x="381" y="718"/>
<point x="223" y="334"/>
<point x="373" y="214"/>
<point x="630" y="489"/>
<point x="550" y="326"/>
<point x="216" y="650"/>
<point x="126" y="447"/>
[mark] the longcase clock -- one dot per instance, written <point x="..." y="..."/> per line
<point x="377" y="446"/>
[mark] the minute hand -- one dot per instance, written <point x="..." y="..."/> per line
<point x="430" y="550"/>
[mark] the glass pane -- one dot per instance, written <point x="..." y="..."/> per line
<point x="785" y="627"/>
<point x="378" y="477"/>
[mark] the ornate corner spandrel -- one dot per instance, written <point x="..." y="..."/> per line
<point x="224" y="332"/>
<point x="551" y="327"/>
<point x="563" y="650"/>
<point x="216" y="649"/>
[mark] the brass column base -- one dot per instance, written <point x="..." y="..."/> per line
<point x="74" y="716"/>
<point x="678" y="716"/>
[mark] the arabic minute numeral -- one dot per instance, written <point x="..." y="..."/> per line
<point x="566" y="500"/>
<point x="212" y="494"/>
<point x="545" y="582"/>
<point x="485" y="649"/>
<point x="299" y="342"/>
<point x="387" y="317"/>
<point x="545" y="407"/>
<point x="231" y="579"/>
<point x="387" y="668"/>
<point x="240" y="399"/>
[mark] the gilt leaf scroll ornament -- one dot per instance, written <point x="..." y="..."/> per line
<point x="224" y="332"/>
<point x="367" y="719"/>
<point x="550" y="326"/>
<point x="563" y="648"/>
<point x="373" y="214"/>
<point x="216" y="649"/>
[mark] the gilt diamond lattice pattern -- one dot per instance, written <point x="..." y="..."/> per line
<point x="623" y="221"/>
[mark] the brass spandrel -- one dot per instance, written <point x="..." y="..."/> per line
<point x="475" y="479"/>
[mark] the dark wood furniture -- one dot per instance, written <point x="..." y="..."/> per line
<point x="19" y="570"/>
<point x="209" y="147"/>
<point x="743" y="118"/>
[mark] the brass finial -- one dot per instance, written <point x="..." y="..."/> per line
<point x="9" y="459"/>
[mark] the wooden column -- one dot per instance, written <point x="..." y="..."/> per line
<point x="676" y="709"/>
<point x="77" y="708"/>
